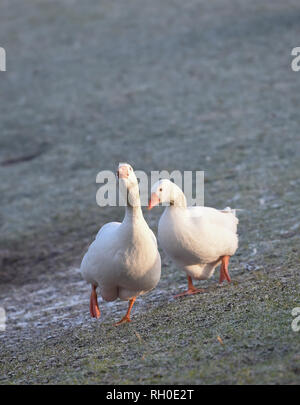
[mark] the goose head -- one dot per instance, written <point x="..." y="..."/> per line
<point x="126" y="173"/>
<point x="164" y="191"/>
<point x="128" y="184"/>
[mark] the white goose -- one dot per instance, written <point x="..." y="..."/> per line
<point x="197" y="239"/>
<point x="123" y="261"/>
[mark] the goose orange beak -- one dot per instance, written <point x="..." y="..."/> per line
<point x="154" y="200"/>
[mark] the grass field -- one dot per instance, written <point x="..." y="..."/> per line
<point x="191" y="85"/>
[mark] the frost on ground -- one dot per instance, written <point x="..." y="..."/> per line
<point x="165" y="85"/>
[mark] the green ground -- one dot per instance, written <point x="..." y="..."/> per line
<point x="191" y="85"/>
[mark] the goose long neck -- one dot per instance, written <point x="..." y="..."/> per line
<point x="133" y="214"/>
<point x="133" y="210"/>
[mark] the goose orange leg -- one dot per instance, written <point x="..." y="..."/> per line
<point x="126" y="318"/>
<point x="94" y="308"/>
<point x="191" y="289"/>
<point x="224" y="273"/>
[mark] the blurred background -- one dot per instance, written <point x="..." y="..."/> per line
<point x="185" y="85"/>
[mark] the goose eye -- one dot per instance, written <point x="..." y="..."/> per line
<point x="160" y="189"/>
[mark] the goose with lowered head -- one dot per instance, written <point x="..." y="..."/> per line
<point x="197" y="239"/>
<point x="123" y="261"/>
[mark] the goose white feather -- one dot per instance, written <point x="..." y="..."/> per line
<point x="123" y="261"/>
<point x="196" y="238"/>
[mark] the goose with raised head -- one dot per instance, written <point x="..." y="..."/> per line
<point x="123" y="261"/>
<point x="197" y="239"/>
